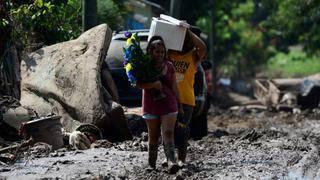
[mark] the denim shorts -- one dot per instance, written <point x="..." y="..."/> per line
<point x="152" y="116"/>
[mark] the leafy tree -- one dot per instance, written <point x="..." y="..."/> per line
<point x="5" y="28"/>
<point x="239" y="43"/>
<point x="248" y="33"/>
<point x="296" y="21"/>
<point x="111" y="12"/>
<point x="51" y="20"/>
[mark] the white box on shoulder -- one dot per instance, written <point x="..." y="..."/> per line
<point x="172" y="34"/>
<point x="174" y="20"/>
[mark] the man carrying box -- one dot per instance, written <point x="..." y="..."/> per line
<point x="186" y="62"/>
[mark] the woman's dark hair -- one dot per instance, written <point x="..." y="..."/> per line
<point x="155" y="40"/>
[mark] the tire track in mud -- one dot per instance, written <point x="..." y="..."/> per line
<point x="308" y="167"/>
<point x="281" y="146"/>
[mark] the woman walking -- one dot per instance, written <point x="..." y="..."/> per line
<point x="161" y="114"/>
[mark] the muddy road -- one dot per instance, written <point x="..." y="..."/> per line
<point x="240" y="145"/>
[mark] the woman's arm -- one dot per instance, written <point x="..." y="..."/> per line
<point x="155" y="85"/>
<point x="175" y="86"/>
<point x="176" y="92"/>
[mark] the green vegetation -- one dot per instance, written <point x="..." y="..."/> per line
<point x="53" y="21"/>
<point x="249" y="35"/>
<point x="240" y="45"/>
<point x="112" y="13"/>
<point x="296" y="21"/>
<point x="293" y="64"/>
<point x="252" y="34"/>
<point x="50" y="21"/>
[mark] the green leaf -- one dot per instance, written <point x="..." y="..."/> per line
<point x="26" y="9"/>
<point x="39" y="3"/>
<point x="48" y="6"/>
<point x="4" y="22"/>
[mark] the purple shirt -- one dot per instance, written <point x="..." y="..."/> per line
<point x="166" y="105"/>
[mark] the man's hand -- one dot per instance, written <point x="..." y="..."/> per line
<point x="199" y="45"/>
<point x="180" y="109"/>
<point x="79" y="140"/>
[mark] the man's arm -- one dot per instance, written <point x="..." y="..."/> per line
<point x="199" y="46"/>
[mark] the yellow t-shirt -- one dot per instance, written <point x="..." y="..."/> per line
<point x="185" y="71"/>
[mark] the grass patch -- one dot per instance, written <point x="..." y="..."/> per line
<point x="293" y="64"/>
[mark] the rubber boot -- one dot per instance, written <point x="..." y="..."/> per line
<point x="182" y="154"/>
<point x="153" y="154"/>
<point x="172" y="164"/>
<point x="164" y="163"/>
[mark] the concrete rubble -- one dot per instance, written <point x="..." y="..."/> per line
<point x="289" y="94"/>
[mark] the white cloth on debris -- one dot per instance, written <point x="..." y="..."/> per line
<point x="79" y="140"/>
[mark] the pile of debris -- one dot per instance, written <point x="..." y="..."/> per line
<point x="67" y="79"/>
<point x="288" y="94"/>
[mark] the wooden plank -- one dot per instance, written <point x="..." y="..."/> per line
<point x="274" y="93"/>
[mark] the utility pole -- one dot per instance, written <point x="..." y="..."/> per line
<point x="175" y="8"/>
<point x="89" y="14"/>
<point x="211" y="50"/>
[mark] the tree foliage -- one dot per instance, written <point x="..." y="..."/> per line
<point x="296" y="21"/>
<point x="111" y="12"/>
<point x="53" y="20"/>
<point x="247" y="33"/>
<point x="239" y="42"/>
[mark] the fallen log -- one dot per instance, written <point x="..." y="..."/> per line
<point x="288" y="84"/>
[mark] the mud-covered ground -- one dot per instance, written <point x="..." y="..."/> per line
<point x="241" y="144"/>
